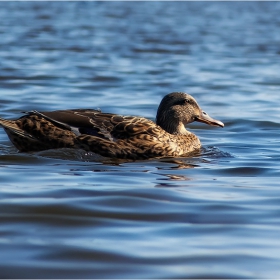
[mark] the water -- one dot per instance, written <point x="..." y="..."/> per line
<point x="68" y="214"/>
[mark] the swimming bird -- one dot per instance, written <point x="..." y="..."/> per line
<point x="112" y="135"/>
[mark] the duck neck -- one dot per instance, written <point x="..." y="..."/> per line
<point x="173" y="127"/>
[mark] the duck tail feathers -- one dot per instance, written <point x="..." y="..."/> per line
<point x="8" y="124"/>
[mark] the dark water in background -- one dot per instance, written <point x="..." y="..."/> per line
<point x="69" y="214"/>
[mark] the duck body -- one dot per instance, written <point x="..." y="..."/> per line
<point x="112" y="135"/>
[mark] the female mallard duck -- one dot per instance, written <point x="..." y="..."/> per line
<point x="113" y="135"/>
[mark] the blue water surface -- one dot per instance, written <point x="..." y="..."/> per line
<point x="71" y="214"/>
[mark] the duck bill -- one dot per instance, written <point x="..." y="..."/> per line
<point x="205" y="118"/>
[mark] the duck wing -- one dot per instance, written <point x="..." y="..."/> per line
<point x="102" y="125"/>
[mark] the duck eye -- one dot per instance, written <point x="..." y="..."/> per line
<point x="187" y="101"/>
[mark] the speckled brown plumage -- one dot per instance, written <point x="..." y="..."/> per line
<point x="113" y="135"/>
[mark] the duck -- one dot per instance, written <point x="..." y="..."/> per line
<point x="112" y="135"/>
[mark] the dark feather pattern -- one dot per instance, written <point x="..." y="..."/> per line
<point x="112" y="135"/>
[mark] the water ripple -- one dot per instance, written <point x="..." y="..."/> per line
<point x="71" y="214"/>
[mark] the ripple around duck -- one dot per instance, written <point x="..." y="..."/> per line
<point x="214" y="152"/>
<point x="71" y="154"/>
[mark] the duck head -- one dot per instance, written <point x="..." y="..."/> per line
<point x="178" y="109"/>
